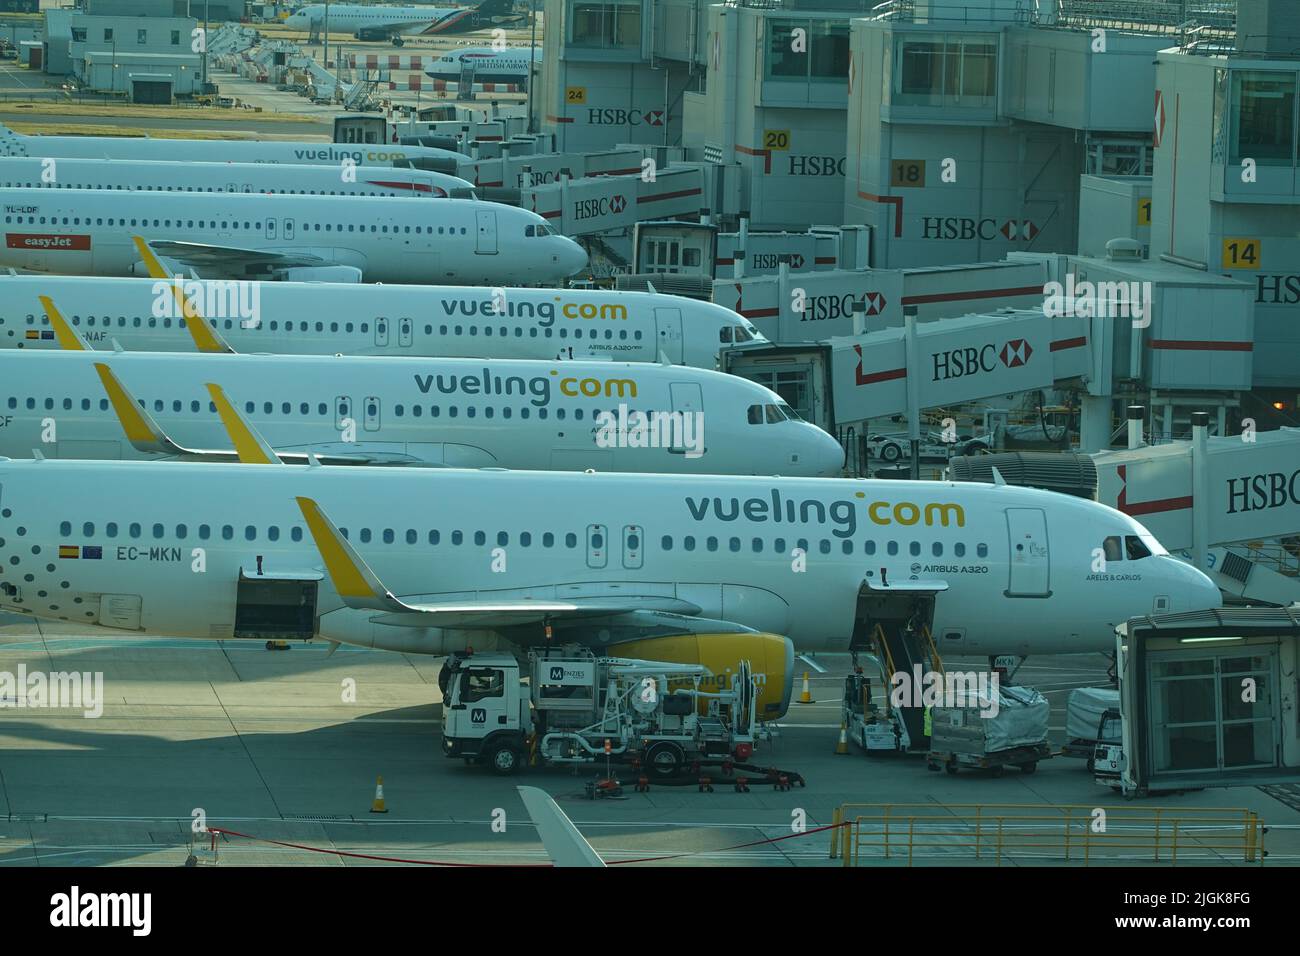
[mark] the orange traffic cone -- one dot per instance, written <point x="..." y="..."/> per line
<point x="378" y="805"/>
<point x="806" y="696"/>
<point x="843" y="746"/>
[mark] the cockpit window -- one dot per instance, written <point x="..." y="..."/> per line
<point x="539" y="229"/>
<point x="756" y="414"/>
<point x="724" y="334"/>
<point x="742" y="335"/>
<point x="1111" y="549"/>
<point x="774" y="414"/>
<point x="1135" y="547"/>
<point x="789" y="412"/>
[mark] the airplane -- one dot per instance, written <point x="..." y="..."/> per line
<point x="193" y="177"/>
<point x="289" y="152"/>
<point x="489" y="65"/>
<point x="238" y="236"/>
<point x="314" y="318"/>
<point x="406" y="411"/>
<point x="376" y="22"/>
<point x="685" y="568"/>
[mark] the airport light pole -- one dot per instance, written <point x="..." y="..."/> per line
<point x="205" y="47"/>
<point x="532" y="63"/>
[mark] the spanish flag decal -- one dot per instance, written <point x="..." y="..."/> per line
<point x="69" y="551"/>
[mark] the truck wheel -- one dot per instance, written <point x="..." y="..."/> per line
<point x="891" y="452"/>
<point x="1092" y="766"/>
<point x="1029" y="767"/>
<point x="504" y="758"/>
<point x="664" y="759"/>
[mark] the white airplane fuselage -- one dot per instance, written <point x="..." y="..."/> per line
<point x="457" y="412"/>
<point x="168" y="542"/>
<point x="379" y="239"/>
<point x="315" y="318"/>
<point x="198" y="177"/>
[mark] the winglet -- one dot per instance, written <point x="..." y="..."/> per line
<point x="564" y="844"/>
<point x="251" y="447"/>
<point x="142" y="431"/>
<point x="997" y="477"/>
<point x="352" y="578"/>
<point x="69" y="338"/>
<point x="206" y="338"/>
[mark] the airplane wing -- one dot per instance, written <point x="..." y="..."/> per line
<point x="69" y="338"/>
<point x="359" y="587"/>
<point x="561" y="839"/>
<point x="230" y="260"/>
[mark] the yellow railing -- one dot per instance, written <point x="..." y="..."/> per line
<point x="1085" y="835"/>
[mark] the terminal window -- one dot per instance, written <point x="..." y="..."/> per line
<point x="819" y="52"/>
<point x="946" y="71"/>
<point x="605" y="24"/>
<point x="1263" y="117"/>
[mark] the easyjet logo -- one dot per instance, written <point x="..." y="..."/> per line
<point x="46" y="242"/>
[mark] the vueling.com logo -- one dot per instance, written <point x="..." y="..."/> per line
<point x="537" y="388"/>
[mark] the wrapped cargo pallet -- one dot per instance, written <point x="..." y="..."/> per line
<point x="1084" y="710"/>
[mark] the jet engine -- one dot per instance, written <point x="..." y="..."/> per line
<point x="769" y="655"/>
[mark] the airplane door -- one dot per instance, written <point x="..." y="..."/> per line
<point x="288" y="229"/>
<point x="405" y="332"/>
<point x="372" y="413"/>
<point x="487" y="234"/>
<point x="1027" y="535"/>
<point x="633" y="543"/>
<point x="597" y="546"/>
<point x="687" y="399"/>
<point x="668" y="326"/>
<point x="381" y="332"/>
<point x="270" y="228"/>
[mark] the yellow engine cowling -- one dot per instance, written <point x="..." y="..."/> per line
<point x="770" y="655"/>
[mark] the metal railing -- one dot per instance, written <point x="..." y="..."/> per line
<point x="1083" y="835"/>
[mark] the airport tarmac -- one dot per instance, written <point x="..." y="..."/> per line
<point x="265" y="744"/>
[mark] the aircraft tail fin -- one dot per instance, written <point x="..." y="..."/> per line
<point x="69" y="338"/>
<point x="141" y="430"/>
<point x="250" y="446"/>
<point x="206" y="337"/>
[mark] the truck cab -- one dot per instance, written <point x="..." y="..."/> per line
<point x="486" y="717"/>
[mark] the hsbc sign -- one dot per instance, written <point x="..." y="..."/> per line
<point x="972" y="360"/>
<point x="620" y="117"/>
<point x="960" y="227"/>
<point x="596" y="208"/>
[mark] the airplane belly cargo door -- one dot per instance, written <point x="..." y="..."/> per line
<point x="276" y="607"/>
<point x="1027" y="535"/>
<point x="487" y="234"/>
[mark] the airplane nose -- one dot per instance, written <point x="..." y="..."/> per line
<point x="572" y="258"/>
<point x="1196" y="592"/>
<point x="828" y="454"/>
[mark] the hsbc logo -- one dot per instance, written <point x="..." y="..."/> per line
<point x="596" y="208"/>
<point x="617" y="117"/>
<point x="960" y="227"/>
<point x="1015" y="353"/>
<point x="968" y="361"/>
<point x="772" y="260"/>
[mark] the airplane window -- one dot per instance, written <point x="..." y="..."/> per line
<point x="1111" y="548"/>
<point x="65" y="528"/>
<point x="110" y="529"/>
<point x="503" y="538"/>
<point x="88" y="529"/>
<point x="688" y="543"/>
<point x="825" y="546"/>
<point x="49" y="404"/>
<point x="480" y="538"/>
<point x="982" y="550"/>
<point x="67" y="404"/>
<point x="267" y="407"/>
<point x="417" y="410"/>
<point x="724" y="334"/>
<point x="388" y="536"/>
<point x="411" y="536"/>
<point x="1135" y="548"/>
<point x="779" y="545"/>
<point x="548" y="540"/>
<point x="273" y="533"/>
<point x="774" y="414"/>
<point x="452" y="411"/>
<point x="433" y="411"/>
<point x="134" y="530"/>
<point x="433" y="537"/>
<point x="755" y="414"/>
<point x="305" y="409"/>
<point x="733" y="544"/>
<point x="937" y="549"/>
<point x="399" y="410"/>
<point x="570" y="540"/>
<point x="847" y="547"/>
<point x="365" y="535"/>
<point x="891" y="547"/>
<point x="295" y="534"/>
<point x="869" y="547"/>
<point x="194" y="407"/>
<point x="13" y="402"/>
<point x="181" y="531"/>
<point x="489" y="412"/>
<point x="802" y="545"/>
<point x="205" y="532"/>
<point x="525" y="539"/>
<point x="457" y="537"/>
<point x="470" y="411"/>
<point x="756" y="545"/>
<point x="249" y="406"/>
<point x="250" y="533"/>
<point x="959" y="549"/>
<point x="914" y="548"/>
<point x="227" y="532"/>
